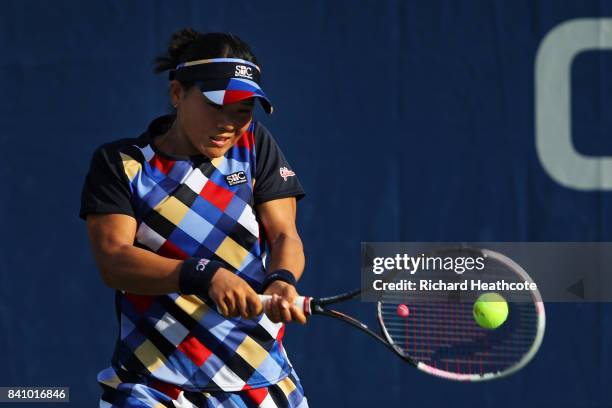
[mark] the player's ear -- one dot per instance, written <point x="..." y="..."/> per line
<point x="177" y="92"/>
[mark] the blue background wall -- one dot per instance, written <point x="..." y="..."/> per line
<point x="405" y="120"/>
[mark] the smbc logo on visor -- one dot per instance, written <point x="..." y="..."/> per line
<point x="243" y="71"/>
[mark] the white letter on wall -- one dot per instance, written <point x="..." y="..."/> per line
<point x="553" y="132"/>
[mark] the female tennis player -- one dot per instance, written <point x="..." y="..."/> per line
<point x="180" y="220"/>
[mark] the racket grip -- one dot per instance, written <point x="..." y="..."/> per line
<point x="301" y="302"/>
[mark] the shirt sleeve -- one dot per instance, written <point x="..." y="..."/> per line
<point x="274" y="176"/>
<point x="106" y="189"/>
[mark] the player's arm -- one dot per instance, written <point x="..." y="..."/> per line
<point x="286" y="252"/>
<point x="126" y="267"/>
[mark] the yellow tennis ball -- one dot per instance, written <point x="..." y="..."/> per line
<point x="490" y="310"/>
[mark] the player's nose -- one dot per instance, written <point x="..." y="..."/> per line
<point x="226" y="124"/>
<point x="226" y="121"/>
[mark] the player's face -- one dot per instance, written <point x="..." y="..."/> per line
<point x="213" y="129"/>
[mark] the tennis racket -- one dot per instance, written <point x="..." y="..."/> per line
<point x="440" y="335"/>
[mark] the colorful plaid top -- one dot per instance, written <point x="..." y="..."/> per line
<point x="194" y="207"/>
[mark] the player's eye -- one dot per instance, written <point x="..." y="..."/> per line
<point x="214" y="105"/>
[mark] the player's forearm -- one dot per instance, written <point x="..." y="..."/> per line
<point x="136" y="270"/>
<point x="287" y="252"/>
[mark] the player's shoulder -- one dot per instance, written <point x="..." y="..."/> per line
<point x="263" y="136"/>
<point x="134" y="147"/>
<point x="260" y="131"/>
<point x="114" y="150"/>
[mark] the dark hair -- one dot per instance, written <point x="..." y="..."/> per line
<point x="189" y="45"/>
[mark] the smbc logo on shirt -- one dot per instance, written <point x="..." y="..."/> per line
<point x="236" y="178"/>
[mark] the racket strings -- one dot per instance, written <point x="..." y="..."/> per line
<point x="457" y="339"/>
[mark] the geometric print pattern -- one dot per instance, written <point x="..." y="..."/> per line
<point x="187" y="208"/>
<point x="122" y="389"/>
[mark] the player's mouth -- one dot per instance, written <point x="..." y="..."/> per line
<point x="220" y="141"/>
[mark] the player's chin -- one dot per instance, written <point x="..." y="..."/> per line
<point x="214" y="152"/>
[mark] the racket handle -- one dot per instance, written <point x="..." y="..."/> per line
<point x="301" y="302"/>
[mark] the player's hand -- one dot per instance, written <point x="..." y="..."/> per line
<point x="281" y="308"/>
<point x="233" y="296"/>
